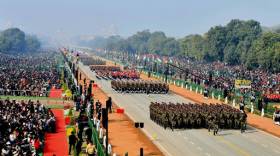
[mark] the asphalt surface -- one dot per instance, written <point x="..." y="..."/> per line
<point x="190" y="142"/>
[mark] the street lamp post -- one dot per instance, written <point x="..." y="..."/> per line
<point x="140" y="125"/>
<point x="166" y="72"/>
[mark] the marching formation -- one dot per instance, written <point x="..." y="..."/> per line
<point x="213" y="116"/>
<point x="128" y="74"/>
<point x="87" y="60"/>
<point x="140" y="86"/>
<point x="104" y="68"/>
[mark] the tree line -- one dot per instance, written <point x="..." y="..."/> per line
<point x="237" y="43"/>
<point x="13" y="40"/>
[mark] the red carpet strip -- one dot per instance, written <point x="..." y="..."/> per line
<point x="56" y="143"/>
<point x="55" y="93"/>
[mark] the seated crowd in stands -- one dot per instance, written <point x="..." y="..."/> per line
<point x="23" y="126"/>
<point x="28" y="75"/>
<point x="223" y="76"/>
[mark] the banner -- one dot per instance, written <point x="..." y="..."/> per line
<point x="243" y="84"/>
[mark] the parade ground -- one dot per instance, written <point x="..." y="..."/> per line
<point x="145" y="78"/>
<point x="196" y="142"/>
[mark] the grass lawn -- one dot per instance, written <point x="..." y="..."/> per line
<point x="54" y="106"/>
<point x="29" y="98"/>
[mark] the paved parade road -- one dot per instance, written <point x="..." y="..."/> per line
<point x="194" y="142"/>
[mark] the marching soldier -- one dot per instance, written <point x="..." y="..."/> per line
<point x="139" y="86"/>
<point x="211" y="116"/>
<point x="215" y="126"/>
<point x="243" y="119"/>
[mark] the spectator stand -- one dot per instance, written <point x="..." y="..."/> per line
<point x="12" y="144"/>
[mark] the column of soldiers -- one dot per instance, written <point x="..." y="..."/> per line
<point x="87" y="60"/>
<point x="140" y="86"/>
<point x="104" y="68"/>
<point x="107" y="74"/>
<point x="182" y="116"/>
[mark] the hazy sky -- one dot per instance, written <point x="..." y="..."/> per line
<point x="124" y="17"/>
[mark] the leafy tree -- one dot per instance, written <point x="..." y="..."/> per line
<point x="139" y="41"/>
<point x="238" y="42"/>
<point x="171" y="47"/>
<point x="193" y="46"/>
<point x="156" y="42"/>
<point x="4" y="44"/>
<point x="267" y="47"/>
<point x="276" y="57"/>
<point x="231" y="57"/>
<point x="15" y="40"/>
<point x="32" y="43"/>
<point x="215" y="43"/>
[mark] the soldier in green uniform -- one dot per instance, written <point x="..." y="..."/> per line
<point x="183" y="115"/>
<point x="236" y="120"/>
<point x="172" y="121"/>
<point x="198" y="120"/>
<point x="215" y="127"/>
<point x="243" y="119"/>
<point x="165" y="118"/>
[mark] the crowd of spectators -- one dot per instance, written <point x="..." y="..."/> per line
<point x="28" y="75"/>
<point x="224" y="76"/>
<point x="90" y="112"/>
<point x="23" y="126"/>
<point x="216" y="75"/>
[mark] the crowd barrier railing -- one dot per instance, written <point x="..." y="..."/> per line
<point x="95" y="139"/>
<point x="8" y="92"/>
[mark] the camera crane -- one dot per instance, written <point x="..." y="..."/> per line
<point x="183" y="70"/>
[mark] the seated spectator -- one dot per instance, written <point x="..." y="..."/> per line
<point x="28" y="75"/>
<point x="22" y="127"/>
<point x="91" y="150"/>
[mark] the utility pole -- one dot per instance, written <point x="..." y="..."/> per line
<point x="166" y="72"/>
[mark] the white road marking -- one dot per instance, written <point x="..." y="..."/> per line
<point x="264" y="145"/>
<point x="192" y="142"/>
<point x="276" y="151"/>
<point x="199" y="148"/>
<point x="255" y="140"/>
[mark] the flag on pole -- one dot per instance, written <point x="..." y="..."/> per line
<point x="144" y="58"/>
<point x="170" y="60"/>
<point x="158" y="60"/>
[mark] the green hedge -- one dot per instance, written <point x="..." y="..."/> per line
<point x="95" y="138"/>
